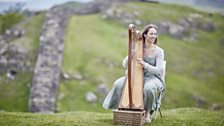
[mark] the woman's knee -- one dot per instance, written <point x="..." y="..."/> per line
<point x="149" y="88"/>
<point x="118" y="84"/>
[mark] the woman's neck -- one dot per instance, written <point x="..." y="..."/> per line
<point x="149" y="45"/>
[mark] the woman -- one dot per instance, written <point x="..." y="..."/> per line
<point x="152" y="63"/>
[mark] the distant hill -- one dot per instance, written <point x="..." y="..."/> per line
<point x="204" y="5"/>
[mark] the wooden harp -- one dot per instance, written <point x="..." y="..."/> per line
<point x="132" y="95"/>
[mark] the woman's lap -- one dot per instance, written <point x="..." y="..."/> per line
<point x="151" y="86"/>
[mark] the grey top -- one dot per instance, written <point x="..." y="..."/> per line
<point x="151" y="66"/>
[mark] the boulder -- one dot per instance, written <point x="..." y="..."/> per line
<point x="90" y="97"/>
<point x="102" y="89"/>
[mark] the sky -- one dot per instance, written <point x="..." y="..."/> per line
<point x="47" y="4"/>
<point x="34" y="4"/>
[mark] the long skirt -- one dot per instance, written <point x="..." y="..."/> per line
<point x="151" y="87"/>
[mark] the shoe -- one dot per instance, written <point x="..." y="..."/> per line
<point x="147" y="118"/>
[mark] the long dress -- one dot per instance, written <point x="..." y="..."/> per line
<point x="153" y="82"/>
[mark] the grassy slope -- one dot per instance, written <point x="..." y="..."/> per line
<point x="100" y="40"/>
<point x="183" y="116"/>
<point x="14" y="95"/>
<point x="92" y="42"/>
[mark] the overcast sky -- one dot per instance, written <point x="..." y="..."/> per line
<point x="41" y="0"/>
<point x="34" y="4"/>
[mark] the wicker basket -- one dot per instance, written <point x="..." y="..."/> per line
<point x="130" y="118"/>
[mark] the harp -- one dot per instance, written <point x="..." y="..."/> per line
<point x="132" y="95"/>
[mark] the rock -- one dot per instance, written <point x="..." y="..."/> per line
<point x="102" y="89"/>
<point x="22" y="32"/>
<point x="163" y="28"/>
<point x="90" y="97"/>
<point x="196" y="15"/>
<point x="136" y="13"/>
<point x="221" y="41"/>
<point x="65" y="76"/>
<point x="3" y="48"/>
<point x="208" y="26"/>
<point x="7" y="32"/>
<point x="16" y="32"/>
<point x="199" y="100"/>
<point x="60" y="48"/>
<point x="3" y="64"/>
<point x="176" y="31"/>
<point x="12" y="50"/>
<point x="192" y="38"/>
<point x="123" y="17"/>
<point x="138" y="22"/>
<point x="77" y="76"/>
<point x="12" y="62"/>
<point x="61" y="96"/>
<point x="222" y="14"/>
<point x="11" y="75"/>
<point x="210" y="73"/>
<point x="183" y="22"/>
<point x="108" y="14"/>
<point x="41" y="38"/>
<point x="192" y="22"/>
<point x="216" y="107"/>
<point x="38" y="100"/>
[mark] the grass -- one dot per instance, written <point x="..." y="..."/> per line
<point x="91" y="57"/>
<point x="14" y="97"/>
<point x="181" y="116"/>
<point x="8" y="20"/>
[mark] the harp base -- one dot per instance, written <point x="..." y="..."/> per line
<point x="127" y="117"/>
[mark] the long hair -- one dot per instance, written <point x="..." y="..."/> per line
<point x="145" y="31"/>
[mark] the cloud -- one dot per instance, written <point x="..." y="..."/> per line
<point x="14" y="0"/>
<point x="42" y="0"/>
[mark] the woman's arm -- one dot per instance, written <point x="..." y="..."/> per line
<point x="125" y="62"/>
<point x="159" y="64"/>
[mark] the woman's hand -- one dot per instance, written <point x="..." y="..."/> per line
<point x="140" y="61"/>
<point x="132" y="53"/>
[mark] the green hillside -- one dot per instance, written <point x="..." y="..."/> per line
<point x="90" y="46"/>
<point x="177" y="117"/>
<point x="95" y="48"/>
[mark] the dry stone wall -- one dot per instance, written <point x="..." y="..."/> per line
<point x="47" y="69"/>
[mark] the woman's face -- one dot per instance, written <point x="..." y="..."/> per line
<point x="151" y="35"/>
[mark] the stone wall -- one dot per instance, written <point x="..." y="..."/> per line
<point x="47" y="69"/>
